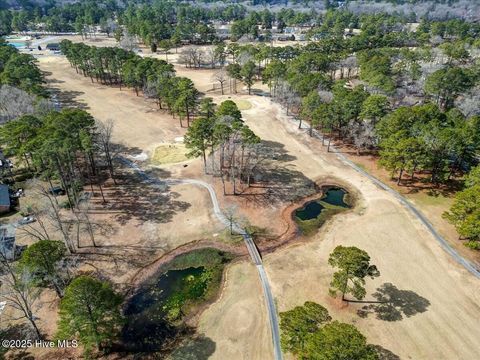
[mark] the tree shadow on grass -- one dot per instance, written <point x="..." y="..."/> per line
<point x="393" y="304"/>
<point x="66" y="98"/>
<point x="275" y="179"/>
<point x="277" y="151"/>
<point x="19" y="331"/>
<point x="197" y="348"/>
<point x="145" y="202"/>
<point x="135" y="197"/>
<point x="384" y="354"/>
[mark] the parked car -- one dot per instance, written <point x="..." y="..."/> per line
<point x="27" y="220"/>
<point x="56" y="190"/>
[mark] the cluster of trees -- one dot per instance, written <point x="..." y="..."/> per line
<point x="156" y="78"/>
<point x="307" y="83"/>
<point x="20" y="70"/>
<point x="465" y="211"/>
<point x="423" y="138"/>
<point x="16" y="102"/>
<point x="68" y="17"/>
<point x="89" y="308"/>
<point x="166" y="20"/>
<point x="21" y="90"/>
<point x="65" y="146"/>
<point x="105" y="64"/>
<point x="308" y="332"/>
<point x="192" y="22"/>
<point x="233" y="148"/>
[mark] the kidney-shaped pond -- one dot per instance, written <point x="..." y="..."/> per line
<point x="314" y="213"/>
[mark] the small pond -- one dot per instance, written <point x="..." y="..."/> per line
<point x="155" y="314"/>
<point x="152" y="310"/>
<point x="314" y="213"/>
<point x="311" y="210"/>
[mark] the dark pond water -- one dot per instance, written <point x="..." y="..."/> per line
<point x="312" y="209"/>
<point x="147" y="326"/>
<point x="335" y="196"/>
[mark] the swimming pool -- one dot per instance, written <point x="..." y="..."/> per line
<point x="16" y="44"/>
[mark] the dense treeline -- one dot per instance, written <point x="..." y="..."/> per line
<point x="424" y="138"/>
<point x="65" y="147"/>
<point x="446" y="139"/>
<point x="465" y="211"/>
<point x="20" y="70"/>
<point x="192" y="22"/>
<point x="156" y="78"/>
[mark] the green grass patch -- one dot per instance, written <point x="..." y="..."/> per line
<point x="311" y="226"/>
<point x="361" y="166"/>
<point x="243" y="104"/>
<point x="473" y="244"/>
<point x="169" y="154"/>
<point x="157" y="311"/>
<point x="207" y="258"/>
<point x="431" y="199"/>
<point x="199" y="288"/>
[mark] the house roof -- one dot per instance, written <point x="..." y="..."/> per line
<point x="4" y="195"/>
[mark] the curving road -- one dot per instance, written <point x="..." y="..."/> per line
<point x="252" y="249"/>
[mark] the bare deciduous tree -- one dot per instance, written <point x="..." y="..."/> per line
<point x="15" y="102"/>
<point x="104" y="138"/>
<point x="191" y="57"/>
<point x="363" y="134"/>
<point x="38" y="230"/>
<point x="211" y="56"/>
<point x="53" y="213"/>
<point x="128" y="42"/>
<point x="221" y="77"/>
<point x="231" y="215"/>
<point x="19" y="292"/>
